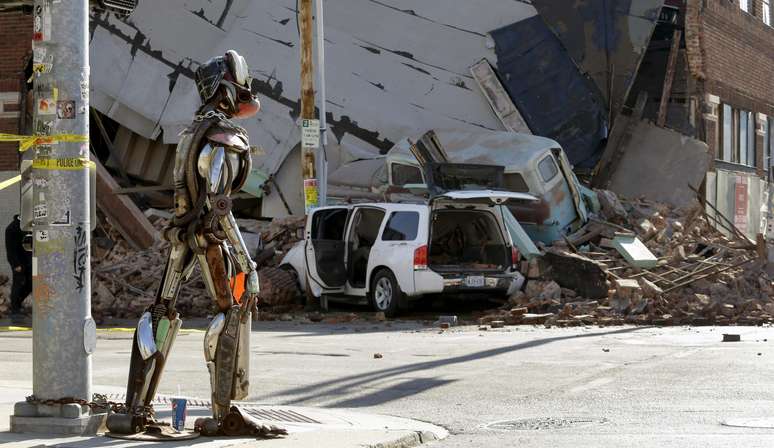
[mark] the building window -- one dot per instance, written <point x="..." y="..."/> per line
<point x="766" y="12"/>
<point x="738" y="136"/>
<point x="745" y="5"/>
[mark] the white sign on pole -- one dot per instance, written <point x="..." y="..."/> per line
<point x="310" y="134"/>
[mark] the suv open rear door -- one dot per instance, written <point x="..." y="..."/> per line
<point x="493" y="196"/>
<point x="325" y="247"/>
<point x="442" y="176"/>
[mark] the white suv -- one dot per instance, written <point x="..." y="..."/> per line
<point x="458" y="242"/>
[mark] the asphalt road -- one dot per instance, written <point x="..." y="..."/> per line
<point x="589" y="387"/>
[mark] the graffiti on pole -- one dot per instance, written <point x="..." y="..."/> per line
<point x="80" y="257"/>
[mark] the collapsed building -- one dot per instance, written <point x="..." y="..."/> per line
<point x="652" y="98"/>
<point x="619" y="85"/>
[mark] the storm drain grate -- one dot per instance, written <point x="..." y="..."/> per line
<point x="543" y="423"/>
<point x="263" y="413"/>
<point x="279" y="415"/>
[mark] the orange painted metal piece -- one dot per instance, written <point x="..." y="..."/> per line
<point x="238" y="287"/>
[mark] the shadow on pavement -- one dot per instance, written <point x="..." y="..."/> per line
<point x="338" y="387"/>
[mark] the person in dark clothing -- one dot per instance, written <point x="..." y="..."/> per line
<point x="21" y="264"/>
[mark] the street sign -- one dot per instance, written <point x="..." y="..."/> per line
<point x="310" y="134"/>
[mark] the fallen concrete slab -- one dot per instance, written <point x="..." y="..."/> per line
<point x="585" y="276"/>
<point x="659" y="164"/>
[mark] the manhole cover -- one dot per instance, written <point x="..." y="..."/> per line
<point x="543" y="423"/>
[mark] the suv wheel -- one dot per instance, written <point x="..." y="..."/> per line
<point x="385" y="293"/>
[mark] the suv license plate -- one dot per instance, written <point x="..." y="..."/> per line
<point x="474" y="281"/>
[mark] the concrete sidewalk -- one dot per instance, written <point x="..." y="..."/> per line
<point x="309" y="427"/>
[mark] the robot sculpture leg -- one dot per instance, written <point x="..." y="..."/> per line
<point x="153" y="339"/>
<point x="227" y="340"/>
<point x="226" y="343"/>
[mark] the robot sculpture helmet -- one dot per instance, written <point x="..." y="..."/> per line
<point x="225" y="82"/>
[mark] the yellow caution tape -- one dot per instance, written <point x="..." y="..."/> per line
<point x="28" y="141"/>
<point x="131" y="330"/>
<point x="71" y="163"/>
<point x="101" y="330"/>
<point x="7" y="183"/>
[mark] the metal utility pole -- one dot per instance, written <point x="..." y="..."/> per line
<point x="322" y="159"/>
<point x="310" y="127"/>
<point x="64" y="334"/>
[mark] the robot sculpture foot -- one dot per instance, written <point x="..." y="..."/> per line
<point x="227" y="353"/>
<point x="149" y="353"/>
<point x="237" y="423"/>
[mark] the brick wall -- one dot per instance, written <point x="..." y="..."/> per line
<point x="15" y="48"/>
<point x="731" y="55"/>
<point x="739" y="55"/>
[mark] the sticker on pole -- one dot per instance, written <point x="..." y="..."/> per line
<point x="310" y="134"/>
<point x="41" y="25"/>
<point x="40" y="211"/>
<point x="41" y="236"/>
<point x="46" y="106"/>
<point x="65" y="109"/>
<point x="311" y="194"/>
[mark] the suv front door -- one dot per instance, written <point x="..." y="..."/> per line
<point x="325" y="247"/>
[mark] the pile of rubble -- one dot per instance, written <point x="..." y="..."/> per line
<point x="5" y="296"/>
<point x="696" y="274"/>
<point x="125" y="281"/>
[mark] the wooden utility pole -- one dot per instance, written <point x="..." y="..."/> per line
<point x="310" y="128"/>
<point x="669" y="78"/>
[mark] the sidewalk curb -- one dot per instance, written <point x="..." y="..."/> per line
<point x="408" y="441"/>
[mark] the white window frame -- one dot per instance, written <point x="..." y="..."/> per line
<point x="727" y="133"/>
<point x="768" y="146"/>
<point x="737" y="143"/>
<point x="744" y="5"/>
<point x="766" y="4"/>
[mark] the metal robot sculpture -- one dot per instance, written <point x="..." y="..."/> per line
<point x="212" y="161"/>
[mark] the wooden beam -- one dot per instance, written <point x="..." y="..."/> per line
<point x="124" y="215"/>
<point x="109" y="143"/>
<point x="669" y="78"/>
<point x="498" y="97"/>
<point x="144" y="189"/>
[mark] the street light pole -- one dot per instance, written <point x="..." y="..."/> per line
<point x="64" y="334"/>
<point x="322" y="160"/>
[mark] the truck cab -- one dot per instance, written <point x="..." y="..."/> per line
<point x="532" y="164"/>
